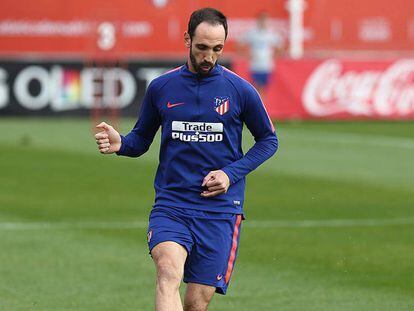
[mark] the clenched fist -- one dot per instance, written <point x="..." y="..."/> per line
<point x="108" y="140"/>
<point x="216" y="182"/>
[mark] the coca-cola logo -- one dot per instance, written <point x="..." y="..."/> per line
<point x="332" y="90"/>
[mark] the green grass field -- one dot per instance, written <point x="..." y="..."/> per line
<point x="330" y="221"/>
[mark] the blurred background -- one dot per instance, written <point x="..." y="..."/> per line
<point x="334" y="61"/>
<point x="330" y="218"/>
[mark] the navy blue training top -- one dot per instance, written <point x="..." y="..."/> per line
<point x="202" y="120"/>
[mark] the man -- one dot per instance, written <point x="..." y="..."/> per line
<point x="262" y="44"/>
<point x="195" y="222"/>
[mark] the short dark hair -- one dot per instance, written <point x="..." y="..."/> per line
<point x="208" y="15"/>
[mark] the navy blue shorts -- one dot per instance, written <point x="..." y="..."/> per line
<point x="260" y="78"/>
<point x="211" y="240"/>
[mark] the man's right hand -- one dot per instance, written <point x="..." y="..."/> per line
<point x="108" y="140"/>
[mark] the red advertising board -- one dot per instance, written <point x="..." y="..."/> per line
<point x="360" y="25"/>
<point x="143" y="28"/>
<point x="342" y="89"/>
<point x="301" y="89"/>
<point x="154" y="28"/>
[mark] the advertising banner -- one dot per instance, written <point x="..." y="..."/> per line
<point x="118" y="29"/>
<point x="75" y="88"/>
<point x="155" y="28"/>
<point x="342" y="89"/>
<point x="301" y="89"/>
<point x="375" y="25"/>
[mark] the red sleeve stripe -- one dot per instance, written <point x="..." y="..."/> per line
<point x="175" y="69"/>
<point x="232" y="72"/>
<point x="270" y="120"/>
<point x="264" y="107"/>
<point x="232" y="258"/>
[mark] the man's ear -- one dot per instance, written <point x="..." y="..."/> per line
<point x="187" y="39"/>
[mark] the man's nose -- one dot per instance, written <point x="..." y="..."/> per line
<point x="208" y="57"/>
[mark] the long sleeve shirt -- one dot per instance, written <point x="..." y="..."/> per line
<point x="202" y="120"/>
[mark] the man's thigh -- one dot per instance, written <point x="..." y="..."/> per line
<point x="167" y="225"/>
<point x="170" y="254"/>
<point x="169" y="242"/>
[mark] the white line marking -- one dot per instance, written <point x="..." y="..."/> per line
<point x="16" y="226"/>
<point x="329" y="223"/>
<point x="71" y="225"/>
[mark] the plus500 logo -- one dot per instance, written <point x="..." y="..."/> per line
<point x="197" y="131"/>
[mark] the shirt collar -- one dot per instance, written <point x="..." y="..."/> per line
<point x="215" y="71"/>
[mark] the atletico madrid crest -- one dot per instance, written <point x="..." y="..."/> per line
<point x="221" y="105"/>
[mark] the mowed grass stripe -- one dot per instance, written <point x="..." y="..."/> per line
<point x="66" y="186"/>
<point x="259" y="224"/>
<point x="352" y="138"/>
<point x="373" y="152"/>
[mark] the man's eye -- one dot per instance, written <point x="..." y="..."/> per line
<point x="218" y="49"/>
<point x="202" y="47"/>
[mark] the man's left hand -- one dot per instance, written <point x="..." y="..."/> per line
<point x="216" y="182"/>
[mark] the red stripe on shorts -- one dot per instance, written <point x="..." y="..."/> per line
<point x="233" y="248"/>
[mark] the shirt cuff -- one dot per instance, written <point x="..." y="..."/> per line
<point x="121" y="150"/>
<point x="229" y="175"/>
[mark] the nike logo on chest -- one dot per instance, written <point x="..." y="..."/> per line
<point x="170" y="105"/>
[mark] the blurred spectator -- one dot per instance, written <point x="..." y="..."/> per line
<point x="263" y="45"/>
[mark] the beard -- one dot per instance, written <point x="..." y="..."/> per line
<point x="202" y="68"/>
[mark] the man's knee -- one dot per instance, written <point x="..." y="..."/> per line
<point x="168" y="273"/>
<point x="169" y="261"/>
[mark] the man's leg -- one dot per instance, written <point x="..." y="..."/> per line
<point x="169" y="259"/>
<point x="198" y="296"/>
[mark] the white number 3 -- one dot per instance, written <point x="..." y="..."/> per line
<point x="106" y="39"/>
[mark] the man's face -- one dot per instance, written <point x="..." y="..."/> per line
<point x="262" y="20"/>
<point x="205" y="47"/>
